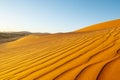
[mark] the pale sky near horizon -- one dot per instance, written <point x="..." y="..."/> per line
<point x="55" y="15"/>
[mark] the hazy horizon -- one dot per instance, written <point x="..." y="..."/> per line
<point x="55" y="15"/>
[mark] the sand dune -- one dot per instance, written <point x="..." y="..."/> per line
<point x="92" y="53"/>
<point x="11" y="36"/>
<point x="100" y="26"/>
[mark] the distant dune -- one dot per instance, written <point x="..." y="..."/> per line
<point x="11" y="36"/>
<point x="91" y="53"/>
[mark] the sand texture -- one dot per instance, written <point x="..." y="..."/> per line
<point x="92" y="53"/>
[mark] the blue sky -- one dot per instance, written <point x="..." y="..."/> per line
<point x="55" y="15"/>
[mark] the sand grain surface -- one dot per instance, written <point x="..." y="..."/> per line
<point x="93" y="54"/>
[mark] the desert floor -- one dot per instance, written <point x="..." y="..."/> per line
<point x="92" y="53"/>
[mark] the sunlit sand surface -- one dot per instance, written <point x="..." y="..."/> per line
<point x="92" y="53"/>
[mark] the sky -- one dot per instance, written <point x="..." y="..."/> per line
<point x="55" y="15"/>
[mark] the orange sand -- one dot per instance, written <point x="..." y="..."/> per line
<point x="92" y="53"/>
<point x="104" y="25"/>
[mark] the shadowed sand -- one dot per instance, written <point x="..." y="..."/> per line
<point x="11" y="36"/>
<point x="92" y="53"/>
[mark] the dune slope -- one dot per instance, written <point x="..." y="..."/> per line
<point x="90" y="55"/>
<point x="100" y="26"/>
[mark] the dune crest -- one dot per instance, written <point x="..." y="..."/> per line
<point x="100" y="26"/>
<point x="92" y="53"/>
